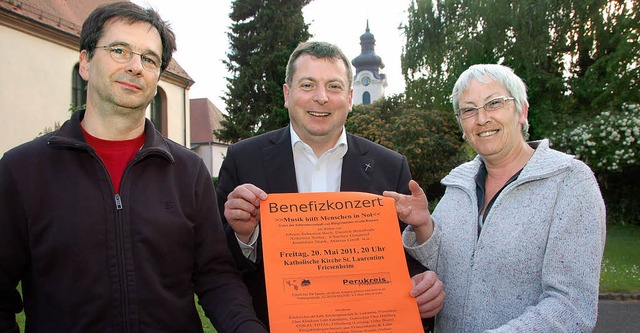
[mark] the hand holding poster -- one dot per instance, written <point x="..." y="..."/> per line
<point x="334" y="262"/>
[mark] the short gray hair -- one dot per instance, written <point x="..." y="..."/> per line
<point x="486" y="73"/>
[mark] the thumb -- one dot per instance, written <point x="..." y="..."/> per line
<point x="415" y="280"/>
<point x="422" y="282"/>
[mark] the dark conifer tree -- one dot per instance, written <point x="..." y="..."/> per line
<point x="263" y="35"/>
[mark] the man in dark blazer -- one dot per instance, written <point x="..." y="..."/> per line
<point x="314" y="153"/>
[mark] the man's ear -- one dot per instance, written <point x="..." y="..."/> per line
<point x="285" y="91"/>
<point x="83" y="65"/>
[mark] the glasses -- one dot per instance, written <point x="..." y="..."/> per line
<point x="492" y="105"/>
<point x="122" y="54"/>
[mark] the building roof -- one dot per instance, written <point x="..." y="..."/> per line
<point x="65" y="17"/>
<point x="205" y="118"/>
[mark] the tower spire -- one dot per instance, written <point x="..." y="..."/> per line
<point x="369" y="83"/>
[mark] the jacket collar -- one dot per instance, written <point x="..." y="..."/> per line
<point x="278" y="162"/>
<point x="357" y="168"/>
<point x="544" y="163"/>
<point x="70" y="135"/>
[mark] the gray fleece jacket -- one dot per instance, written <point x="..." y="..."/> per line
<point x="535" y="267"/>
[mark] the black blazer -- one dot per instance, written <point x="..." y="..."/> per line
<point x="266" y="161"/>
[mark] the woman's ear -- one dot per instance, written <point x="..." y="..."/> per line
<point x="524" y="114"/>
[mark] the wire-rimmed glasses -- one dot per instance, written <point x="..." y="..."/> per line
<point x="492" y="105"/>
<point x="122" y="54"/>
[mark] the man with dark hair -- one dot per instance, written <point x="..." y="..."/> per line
<point x="313" y="154"/>
<point x="109" y="226"/>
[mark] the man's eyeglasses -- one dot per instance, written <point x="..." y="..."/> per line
<point x="492" y="105"/>
<point x="122" y="54"/>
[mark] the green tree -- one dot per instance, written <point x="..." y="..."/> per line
<point x="579" y="58"/>
<point x="263" y="34"/>
<point x="576" y="56"/>
<point x="430" y="140"/>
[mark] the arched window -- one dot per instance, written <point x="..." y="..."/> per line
<point x="158" y="112"/>
<point x="366" y="98"/>
<point x="78" y="89"/>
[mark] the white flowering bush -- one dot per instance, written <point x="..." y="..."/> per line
<point x="609" y="143"/>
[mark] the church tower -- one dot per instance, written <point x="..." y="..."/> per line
<point x="368" y="83"/>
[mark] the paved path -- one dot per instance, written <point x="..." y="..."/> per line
<point x="618" y="316"/>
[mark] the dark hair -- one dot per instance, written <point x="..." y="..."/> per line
<point x="93" y="26"/>
<point x="320" y="50"/>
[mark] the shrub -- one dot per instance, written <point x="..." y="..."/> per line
<point x="431" y="140"/>
<point x="609" y="145"/>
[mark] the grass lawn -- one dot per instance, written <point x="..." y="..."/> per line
<point x="621" y="262"/>
<point x="620" y="267"/>
<point x="206" y="324"/>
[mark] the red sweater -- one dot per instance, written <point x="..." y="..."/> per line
<point x="115" y="154"/>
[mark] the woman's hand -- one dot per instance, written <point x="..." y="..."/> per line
<point x="414" y="210"/>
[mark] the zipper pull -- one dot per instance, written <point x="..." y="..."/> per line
<point x="118" y="202"/>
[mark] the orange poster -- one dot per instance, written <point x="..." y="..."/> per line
<point x="334" y="263"/>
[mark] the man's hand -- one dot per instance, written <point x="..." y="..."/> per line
<point x="428" y="291"/>
<point x="414" y="210"/>
<point x="242" y="210"/>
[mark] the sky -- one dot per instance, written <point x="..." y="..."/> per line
<point x="201" y="29"/>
